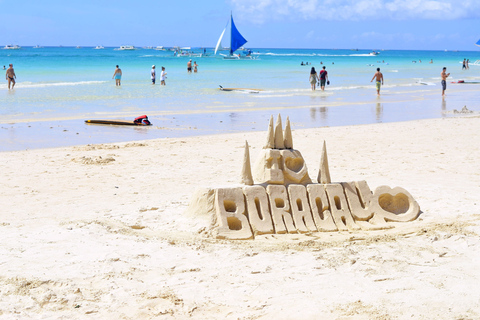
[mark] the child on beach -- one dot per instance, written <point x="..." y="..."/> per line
<point x="153" y="74"/>
<point x="163" y="76"/>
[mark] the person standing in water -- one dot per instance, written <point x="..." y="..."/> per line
<point x="444" y="76"/>
<point x="189" y="66"/>
<point x="379" y="76"/>
<point x="163" y="76"/>
<point x="153" y="74"/>
<point x="117" y="75"/>
<point x="323" y="78"/>
<point x="10" y="76"/>
<point x="313" y="78"/>
<point x="195" y="65"/>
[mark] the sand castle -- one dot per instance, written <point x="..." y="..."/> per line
<point x="278" y="196"/>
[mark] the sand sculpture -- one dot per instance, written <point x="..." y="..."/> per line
<point x="278" y="196"/>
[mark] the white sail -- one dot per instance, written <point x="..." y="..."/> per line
<point x="220" y="41"/>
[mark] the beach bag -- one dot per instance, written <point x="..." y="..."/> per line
<point x="328" y="83"/>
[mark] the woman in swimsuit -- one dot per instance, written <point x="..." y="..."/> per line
<point x="313" y="78"/>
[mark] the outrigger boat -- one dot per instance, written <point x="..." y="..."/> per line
<point x="11" y="47"/>
<point x="235" y="42"/>
<point x="126" y="48"/>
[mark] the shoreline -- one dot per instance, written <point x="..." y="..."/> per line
<point x="83" y="234"/>
<point x="57" y="132"/>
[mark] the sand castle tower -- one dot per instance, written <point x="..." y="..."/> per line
<point x="278" y="162"/>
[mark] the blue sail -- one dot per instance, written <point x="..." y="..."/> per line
<point x="236" y="39"/>
<point x="478" y="43"/>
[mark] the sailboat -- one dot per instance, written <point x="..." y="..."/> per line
<point x="234" y="40"/>
<point x="478" y="43"/>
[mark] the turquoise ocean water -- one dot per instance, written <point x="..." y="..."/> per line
<point x="59" y="87"/>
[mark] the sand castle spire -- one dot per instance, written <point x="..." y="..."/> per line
<point x="288" y="135"/>
<point x="279" y="144"/>
<point x="270" y="138"/>
<point x="247" y="178"/>
<point x="324" y="172"/>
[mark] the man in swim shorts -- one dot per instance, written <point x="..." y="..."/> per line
<point x="323" y="78"/>
<point x="153" y="74"/>
<point x="10" y="76"/>
<point x="117" y="75"/>
<point x="189" y="66"/>
<point x="444" y="76"/>
<point x="379" y="76"/>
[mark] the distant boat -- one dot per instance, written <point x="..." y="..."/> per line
<point x="99" y="47"/>
<point x="160" y="48"/>
<point x="37" y="47"/>
<point x="11" y="47"/>
<point x="374" y="53"/>
<point x="186" y="52"/>
<point x="78" y="47"/>
<point x="234" y="40"/>
<point x="126" y="48"/>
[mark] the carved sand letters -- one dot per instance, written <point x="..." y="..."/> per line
<point x="285" y="200"/>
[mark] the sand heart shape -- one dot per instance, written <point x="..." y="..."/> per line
<point x="294" y="164"/>
<point x="395" y="204"/>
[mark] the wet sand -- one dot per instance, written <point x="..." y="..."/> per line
<point x="317" y="109"/>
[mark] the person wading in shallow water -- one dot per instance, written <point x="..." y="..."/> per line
<point x="117" y="75"/>
<point x="444" y="76"/>
<point x="313" y="78"/>
<point x="10" y="76"/>
<point x="323" y="78"/>
<point x="379" y="76"/>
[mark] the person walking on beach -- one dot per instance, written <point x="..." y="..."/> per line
<point x="153" y="74"/>
<point x="189" y="66"/>
<point x="464" y="65"/>
<point x="195" y="65"/>
<point x="10" y="76"/>
<point x="379" y="76"/>
<point x="323" y="78"/>
<point x="444" y="76"/>
<point x="163" y="76"/>
<point x="117" y="75"/>
<point x="468" y="60"/>
<point x="313" y="78"/>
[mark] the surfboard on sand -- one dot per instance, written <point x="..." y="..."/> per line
<point x="249" y="90"/>
<point x="117" y="122"/>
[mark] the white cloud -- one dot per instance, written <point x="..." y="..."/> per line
<point x="261" y="11"/>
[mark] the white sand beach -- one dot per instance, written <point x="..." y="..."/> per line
<point x="101" y="231"/>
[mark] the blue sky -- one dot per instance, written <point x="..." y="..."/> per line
<point x="367" y="24"/>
